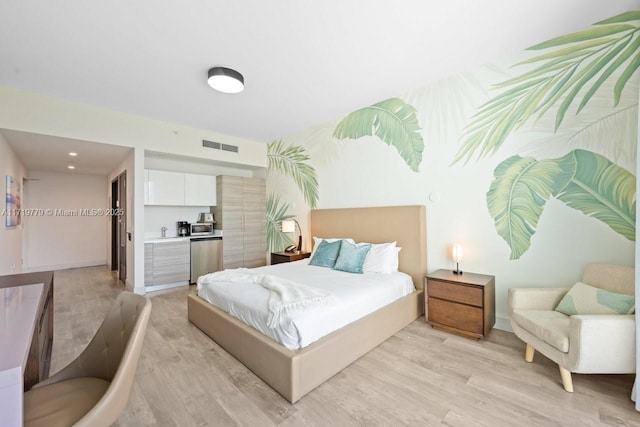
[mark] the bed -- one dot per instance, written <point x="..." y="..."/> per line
<point x="295" y="373"/>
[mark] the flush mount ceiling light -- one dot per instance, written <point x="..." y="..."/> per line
<point x="73" y="154"/>
<point x="71" y="167"/>
<point x="225" y="80"/>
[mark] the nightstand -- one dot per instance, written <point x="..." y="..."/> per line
<point x="280" y="257"/>
<point x="460" y="303"/>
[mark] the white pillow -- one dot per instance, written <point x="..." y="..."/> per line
<point x="394" y="262"/>
<point x="380" y="259"/>
<point x="317" y="240"/>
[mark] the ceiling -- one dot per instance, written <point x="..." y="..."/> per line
<point x="51" y="153"/>
<point x="304" y="62"/>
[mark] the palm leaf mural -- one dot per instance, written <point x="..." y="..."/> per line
<point x="517" y="197"/>
<point x="603" y="190"/>
<point x="276" y="213"/>
<point x="571" y="71"/>
<point x="292" y="161"/>
<point x="583" y="180"/>
<point x="393" y="121"/>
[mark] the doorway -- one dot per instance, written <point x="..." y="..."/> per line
<point x="119" y="226"/>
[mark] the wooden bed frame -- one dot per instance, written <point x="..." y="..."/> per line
<point x="295" y="373"/>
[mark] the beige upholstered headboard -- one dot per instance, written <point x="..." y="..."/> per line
<point x="404" y="224"/>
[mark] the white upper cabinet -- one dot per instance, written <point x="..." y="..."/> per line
<point x="166" y="188"/>
<point x="199" y="190"/>
<point x="179" y="189"/>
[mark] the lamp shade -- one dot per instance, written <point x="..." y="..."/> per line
<point x="457" y="253"/>
<point x="225" y="80"/>
<point x="288" y="226"/>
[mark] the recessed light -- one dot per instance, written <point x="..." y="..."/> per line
<point x="225" y="80"/>
<point x="73" y="154"/>
<point x="71" y="167"/>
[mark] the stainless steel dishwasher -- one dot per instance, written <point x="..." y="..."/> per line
<point x="206" y="256"/>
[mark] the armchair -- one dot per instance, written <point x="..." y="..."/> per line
<point x="586" y="344"/>
<point x="94" y="388"/>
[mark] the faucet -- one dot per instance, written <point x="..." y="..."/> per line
<point x="164" y="231"/>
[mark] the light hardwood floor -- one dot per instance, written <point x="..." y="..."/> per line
<point x="419" y="377"/>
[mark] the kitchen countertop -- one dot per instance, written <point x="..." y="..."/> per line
<point x="216" y="233"/>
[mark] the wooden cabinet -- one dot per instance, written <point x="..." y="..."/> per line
<point x="167" y="262"/>
<point x="460" y="303"/>
<point x="165" y="188"/>
<point x="148" y="263"/>
<point x="280" y="257"/>
<point x="241" y="214"/>
<point x="39" y="358"/>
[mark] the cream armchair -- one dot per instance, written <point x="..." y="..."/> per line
<point x="585" y="344"/>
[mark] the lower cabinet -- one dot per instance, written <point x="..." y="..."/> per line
<point x="167" y="262"/>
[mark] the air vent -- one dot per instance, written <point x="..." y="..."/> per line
<point x="232" y="148"/>
<point x="211" y="144"/>
<point x="219" y="146"/>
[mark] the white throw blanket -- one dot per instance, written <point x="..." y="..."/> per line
<point x="285" y="295"/>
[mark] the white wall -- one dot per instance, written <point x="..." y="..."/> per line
<point x="10" y="237"/>
<point x="56" y="240"/>
<point x="156" y="217"/>
<point x="31" y="112"/>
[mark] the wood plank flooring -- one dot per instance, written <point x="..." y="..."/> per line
<point x="419" y="377"/>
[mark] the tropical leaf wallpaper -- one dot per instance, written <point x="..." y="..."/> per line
<point x="394" y="122"/>
<point x="529" y="162"/>
<point x="583" y="180"/>
<point x="568" y="74"/>
<point x="276" y="213"/>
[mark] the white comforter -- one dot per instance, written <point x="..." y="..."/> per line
<point x="286" y="296"/>
<point x="356" y="295"/>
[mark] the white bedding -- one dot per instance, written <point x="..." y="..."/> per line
<point x="356" y="295"/>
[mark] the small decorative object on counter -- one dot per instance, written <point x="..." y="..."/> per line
<point x="163" y="230"/>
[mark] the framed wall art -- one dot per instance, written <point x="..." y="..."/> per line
<point x="12" y="214"/>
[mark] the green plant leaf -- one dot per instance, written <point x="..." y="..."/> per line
<point x="517" y="196"/>
<point x="568" y="53"/>
<point x="575" y="62"/>
<point x="583" y="180"/>
<point x="589" y="72"/>
<point x="633" y="15"/>
<point x="602" y="190"/>
<point x="292" y="161"/>
<point x="614" y="65"/>
<point x="394" y="122"/>
<point x="276" y="213"/>
<point x="588" y="34"/>
<point x="624" y="78"/>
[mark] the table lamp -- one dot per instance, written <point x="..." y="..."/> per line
<point x="457" y="257"/>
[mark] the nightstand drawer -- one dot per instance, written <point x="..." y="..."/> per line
<point x="459" y="316"/>
<point x="464" y="294"/>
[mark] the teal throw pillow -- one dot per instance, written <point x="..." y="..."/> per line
<point x="351" y="257"/>
<point x="585" y="299"/>
<point x="326" y="254"/>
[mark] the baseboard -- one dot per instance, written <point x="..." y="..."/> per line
<point x="154" y="288"/>
<point x="503" y="324"/>
<point x="94" y="263"/>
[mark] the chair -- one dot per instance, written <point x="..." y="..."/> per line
<point x="94" y="389"/>
<point x="586" y="344"/>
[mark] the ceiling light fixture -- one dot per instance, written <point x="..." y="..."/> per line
<point x="73" y="154"/>
<point x="225" y="80"/>
<point x="71" y="167"/>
